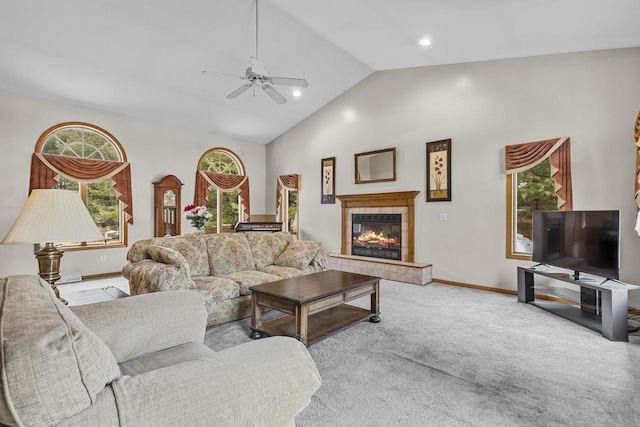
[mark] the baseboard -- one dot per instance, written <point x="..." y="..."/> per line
<point x="500" y="291"/>
<point x="69" y="279"/>
<point x="510" y="292"/>
<point x="101" y="275"/>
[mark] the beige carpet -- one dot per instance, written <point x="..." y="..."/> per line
<point x="449" y="356"/>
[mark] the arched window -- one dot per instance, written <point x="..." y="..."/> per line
<point x="88" y="159"/>
<point x="222" y="185"/>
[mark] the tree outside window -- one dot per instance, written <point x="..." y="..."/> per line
<point x="534" y="190"/>
<point x="292" y="211"/>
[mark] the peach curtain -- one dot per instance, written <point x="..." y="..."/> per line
<point x="636" y="139"/>
<point x="289" y="182"/>
<point x="47" y="168"/>
<point x="520" y="157"/>
<point x="224" y="182"/>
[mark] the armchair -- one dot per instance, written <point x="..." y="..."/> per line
<point x="138" y="361"/>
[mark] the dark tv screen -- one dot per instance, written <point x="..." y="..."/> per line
<point x="583" y="241"/>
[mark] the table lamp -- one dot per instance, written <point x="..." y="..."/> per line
<point x="50" y="217"/>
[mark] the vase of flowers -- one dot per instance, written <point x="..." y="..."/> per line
<point x="198" y="215"/>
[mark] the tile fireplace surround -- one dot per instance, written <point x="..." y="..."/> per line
<point x="405" y="270"/>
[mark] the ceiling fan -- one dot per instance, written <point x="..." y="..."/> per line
<point x="257" y="76"/>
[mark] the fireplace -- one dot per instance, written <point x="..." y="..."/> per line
<point x="399" y="203"/>
<point x="377" y="235"/>
<point x="361" y="209"/>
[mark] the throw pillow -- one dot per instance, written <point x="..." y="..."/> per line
<point x="193" y="248"/>
<point x="298" y="254"/>
<point x="228" y="253"/>
<point x="266" y="247"/>
<point x="53" y="365"/>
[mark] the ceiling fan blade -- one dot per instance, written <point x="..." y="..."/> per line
<point x="274" y="94"/>
<point x="287" y="81"/>
<point x="239" y="91"/>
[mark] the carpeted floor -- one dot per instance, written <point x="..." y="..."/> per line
<point x="449" y="356"/>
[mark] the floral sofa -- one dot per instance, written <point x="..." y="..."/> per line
<point x="220" y="267"/>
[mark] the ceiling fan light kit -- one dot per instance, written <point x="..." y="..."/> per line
<point x="257" y="76"/>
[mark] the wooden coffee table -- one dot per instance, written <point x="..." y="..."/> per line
<point x="314" y="304"/>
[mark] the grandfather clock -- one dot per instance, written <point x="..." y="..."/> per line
<point x="166" y="204"/>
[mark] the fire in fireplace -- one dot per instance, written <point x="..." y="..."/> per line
<point x="377" y="235"/>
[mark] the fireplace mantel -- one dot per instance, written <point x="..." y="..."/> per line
<point x="404" y="199"/>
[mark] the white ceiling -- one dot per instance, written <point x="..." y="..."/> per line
<point x="143" y="58"/>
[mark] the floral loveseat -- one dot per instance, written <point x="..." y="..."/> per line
<point x="220" y="267"/>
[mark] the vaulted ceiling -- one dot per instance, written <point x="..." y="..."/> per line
<point x="144" y="58"/>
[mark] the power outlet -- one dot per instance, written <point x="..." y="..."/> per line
<point x="442" y="216"/>
<point x="103" y="258"/>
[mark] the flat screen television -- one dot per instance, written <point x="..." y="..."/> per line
<point x="582" y="241"/>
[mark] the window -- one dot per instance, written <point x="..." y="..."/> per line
<point x="224" y="199"/>
<point x="287" y="188"/>
<point x="538" y="178"/>
<point x="292" y="212"/>
<point x="98" y="179"/>
<point x="530" y="190"/>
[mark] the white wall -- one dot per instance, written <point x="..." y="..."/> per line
<point x="153" y="150"/>
<point x="592" y="97"/>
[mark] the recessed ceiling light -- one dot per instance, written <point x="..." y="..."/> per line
<point x="297" y="93"/>
<point x="424" y="42"/>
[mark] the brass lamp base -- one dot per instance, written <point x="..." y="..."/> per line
<point x="49" y="266"/>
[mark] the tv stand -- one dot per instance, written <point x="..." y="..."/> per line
<point x="602" y="303"/>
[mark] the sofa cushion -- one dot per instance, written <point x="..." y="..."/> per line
<point x="228" y="253"/>
<point x="249" y="278"/>
<point x="283" y="272"/>
<point x="193" y="248"/>
<point x="298" y="254"/>
<point x="53" y="367"/>
<point x="216" y="288"/>
<point x="266" y="247"/>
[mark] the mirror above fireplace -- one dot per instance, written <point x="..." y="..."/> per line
<point x="375" y="166"/>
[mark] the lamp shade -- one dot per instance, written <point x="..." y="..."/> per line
<point x="53" y="216"/>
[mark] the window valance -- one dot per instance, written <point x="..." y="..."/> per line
<point x="520" y="157"/>
<point x="47" y="168"/>
<point x="288" y="182"/>
<point x="223" y="182"/>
